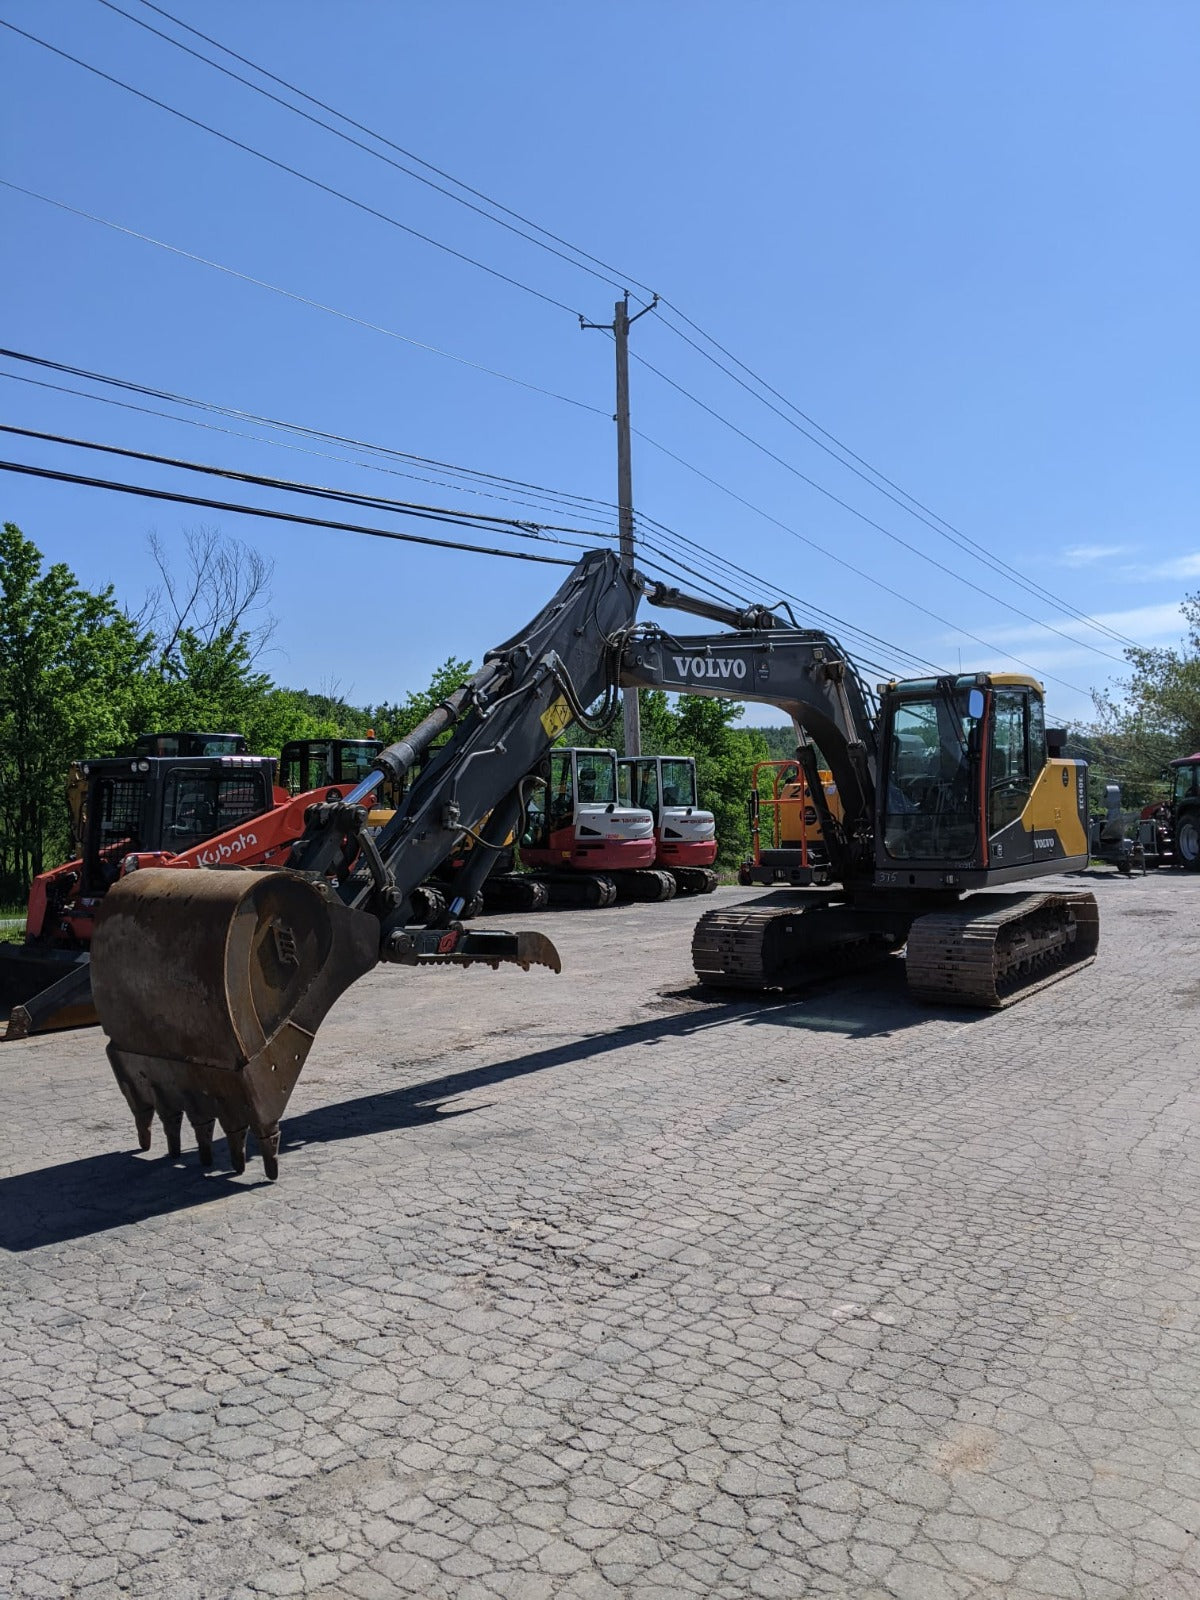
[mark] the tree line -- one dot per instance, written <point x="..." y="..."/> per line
<point x="81" y="675"/>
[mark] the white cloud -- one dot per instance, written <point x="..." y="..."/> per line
<point x="1088" y="555"/>
<point x="1147" y="624"/>
<point x="1182" y="567"/>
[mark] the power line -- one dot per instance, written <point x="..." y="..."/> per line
<point x="392" y="453"/>
<point x="301" y="299"/>
<point x="408" y="508"/>
<point x="857" y="571"/>
<point x="573" y="502"/>
<point x="283" y="166"/>
<point x="338" y="133"/>
<point x="276" y="516"/>
<point x="607" y="273"/>
<point x="923" y="513"/>
<point x="870" y="521"/>
<point x="612" y="276"/>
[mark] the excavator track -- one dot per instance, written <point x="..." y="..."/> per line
<point x="645" y="883"/>
<point x="995" y="950"/>
<point x="694" y="880"/>
<point x="514" y="891"/>
<point x="758" y="947"/>
<point x="591" y="889"/>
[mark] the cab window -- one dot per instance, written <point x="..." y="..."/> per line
<point x="1009" y="782"/>
<point x="646" y="793"/>
<point x="678" y="783"/>
<point x="1185" y="782"/>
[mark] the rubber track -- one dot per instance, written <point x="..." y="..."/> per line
<point x="749" y="947"/>
<point x="644" y="883"/>
<point x="694" y="880"/>
<point x="979" y="954"/>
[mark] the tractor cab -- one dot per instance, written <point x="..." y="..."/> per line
<point x="334" y="764"/>
<point x="1185" y="810"/>
<point x="573" y="816"/>
<point x="972" y="789"/>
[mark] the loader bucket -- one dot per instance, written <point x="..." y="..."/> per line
<point x="211" y="986"/>
<point x="43" y="990"/>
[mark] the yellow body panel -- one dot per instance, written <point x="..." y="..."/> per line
<point x="1054" y="804"/>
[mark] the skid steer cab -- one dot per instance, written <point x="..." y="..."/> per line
<point x="974" y="789"/>
<point x="133" y="811"/>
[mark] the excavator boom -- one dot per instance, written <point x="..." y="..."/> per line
<point x="211" y="984"/>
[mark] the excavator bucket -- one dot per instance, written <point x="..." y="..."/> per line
<point x="211" y="986"/>
<point x="43" y="991"/>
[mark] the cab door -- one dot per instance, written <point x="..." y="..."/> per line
<point x="1013" y="766"/>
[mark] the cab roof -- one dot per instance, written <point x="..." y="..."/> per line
<point x="970" y="680"/>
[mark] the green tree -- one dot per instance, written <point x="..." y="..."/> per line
<point x="1149" y="717"/>
<point x="393" y="721"/>
<point x="73" y="683"/>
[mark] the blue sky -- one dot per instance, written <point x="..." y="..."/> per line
<point x="962" y="238"/>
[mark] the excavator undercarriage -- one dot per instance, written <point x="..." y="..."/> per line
<point x="987" y="953"/>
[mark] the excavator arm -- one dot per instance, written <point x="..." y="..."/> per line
<point x="211" y="984"/>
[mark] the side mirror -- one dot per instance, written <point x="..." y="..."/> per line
<point x="975" y="704"/>
<point x="1056" y="741"/>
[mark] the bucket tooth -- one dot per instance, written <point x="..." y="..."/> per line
<point x="211" y="986"/>
<point x="236" y="1138"/>
<point x="172" y="1122"/>
<point x="203" y="1129"/>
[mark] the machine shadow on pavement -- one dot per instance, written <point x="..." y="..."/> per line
<point x="93" y="1194"/>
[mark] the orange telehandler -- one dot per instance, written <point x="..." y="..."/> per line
<point x="949" y="787"/>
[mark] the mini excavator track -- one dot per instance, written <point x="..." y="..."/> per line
<point x="995" y="950"/>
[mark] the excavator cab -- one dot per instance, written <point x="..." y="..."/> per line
<point x="685" y="837"/>
<point x="970" y="793"/>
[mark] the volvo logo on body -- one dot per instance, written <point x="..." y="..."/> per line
<point x="709" y="666"/>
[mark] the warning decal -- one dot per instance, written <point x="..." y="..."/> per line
<point x="556" y="717"/>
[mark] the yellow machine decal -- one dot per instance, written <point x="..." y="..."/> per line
<point x="556" y="717"/>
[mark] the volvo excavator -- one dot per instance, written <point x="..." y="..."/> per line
<point x="211" y="985"/>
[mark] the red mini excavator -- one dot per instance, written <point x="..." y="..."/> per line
<point x="579" y="841"/>
<point x="685" y="837"/>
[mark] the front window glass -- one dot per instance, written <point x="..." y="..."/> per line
<point x="930" y="814"/>
<point x="116" y="826"/>
<point x="560" y="803"/>
<point x="597" y="777"/>
<point x="355" y="761"/>
<point x="1185" y="779"/>
<point x="199" y="805"/>
<point x="678" y="783"/>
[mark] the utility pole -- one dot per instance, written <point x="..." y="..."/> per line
<point x="619" y="328"/>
